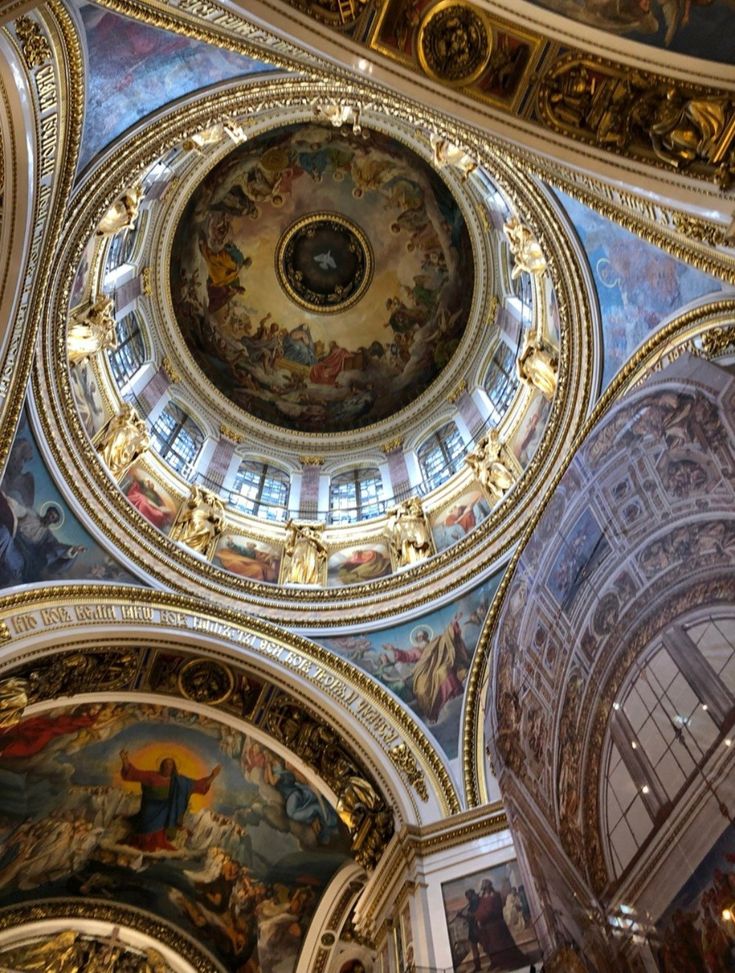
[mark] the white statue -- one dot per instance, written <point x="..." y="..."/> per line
<point x="123" y="212"/>
<point x="227" y="128"/>
<point x="446" y="153"/>
<point x="339" y="115"/>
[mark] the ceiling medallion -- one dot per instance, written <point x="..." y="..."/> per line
<point x="454" y="43"/>
<point x="324" y="262"/>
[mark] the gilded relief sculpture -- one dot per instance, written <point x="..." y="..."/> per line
<point x="69" y="952"/>
<point x="227" y="128"/>
<point x="201" y="522"/>
<point x="494" y="465"/>
<point x="123" y="213"/>
<point x="538" y="365"/>
<point x="635" y="113"/>
<point x="409" y="533"/>
<point x="13" y="700"/>
<point x="529" y="258"/>
<point x="306" y="553"/>
<point x="124" y="439"/>
<point x="91" y="330"/>
<point x="446" y="153"/>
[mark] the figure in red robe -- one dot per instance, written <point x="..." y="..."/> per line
<point x="326" y="371"/>
<point x="492" y="930"/>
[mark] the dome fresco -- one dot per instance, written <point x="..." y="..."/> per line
<point x="321" y="279"/>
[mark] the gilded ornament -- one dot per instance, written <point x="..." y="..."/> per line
<point x="392" y="445"/>
<point x="457" y="392"/>
<point x="230" y="434"/>
<point x="70" y="952"/>
<point x="494" y="465"/>
<point x="641" y="114"/>
<point x="538" y="365"/>
<point x="454" y="42"/>
<point x="493" y="307"/>
<point x="169" y="371"/>
<point x="312" y="460"/>
<point x="36" y="48"/>
<point x="146" y="281"/>
<point x="206" y="681"/>
<point x="123" y="440"/>
<point x="404" y="758"/>
<point x="91" y="330"/>
<point x="699" y="230"/>
<point x="13" y="700"/>
<point x="718" y="341"/>
<point x="524" y="246"/>
<point x="123" y="213"/>
<point x="306" y="553"/>
<point x="409" y="533"/>
<point x="200" y="522"/>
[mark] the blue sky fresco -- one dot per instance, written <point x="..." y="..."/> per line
<point x="638" y="285"/>
<point x="30" y="552"/>
<point x="134" y="69"/>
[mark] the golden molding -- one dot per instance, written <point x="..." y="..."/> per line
<point x="60" y="607"/>
<point x="710" y="315"/>
<point x="64" y="90"/>
<point x="165" y="561"/>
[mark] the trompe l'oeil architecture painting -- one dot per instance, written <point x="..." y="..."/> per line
<point x="367" y="382"/>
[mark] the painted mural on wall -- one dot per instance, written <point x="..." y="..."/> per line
<point x="248" y="558"/>
<point x="88" y="397"/>
<point x="135" y="69"/>
<point x="149" y="497"/>
<point x="637" y="284"/>
<point x="489" y="921"/>
<point x="40" y="538"/>
<point x="171" y="812"/>
<point x="302" y="222"/>
<point x="693" y="932"/>
<point x="425" y="661"/>
<point x="358" y="564"/>
<point x="699" y="28"/>
<point x="467" y="512"/>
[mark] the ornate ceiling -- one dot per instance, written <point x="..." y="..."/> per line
<point x="244" y="236"/>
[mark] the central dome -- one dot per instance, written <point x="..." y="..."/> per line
<point x="322" y="280"/>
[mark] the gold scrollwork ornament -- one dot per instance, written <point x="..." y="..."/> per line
<point x="454" y="42"/>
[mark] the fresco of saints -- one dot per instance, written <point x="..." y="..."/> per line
<point x="436" y="676"/>
<point x="165" y="795"/>
<point x="223" y="267"/>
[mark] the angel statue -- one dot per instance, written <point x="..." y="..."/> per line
<point x="410" y="538"/>
<point x="200" y="522"/>
<point x="524" y="246"/>
<point x="123" y="212"/>
<point x="227" y="128"/>
<point x="538" y="366"/>
<point x="125" y="437"/>
<point x="306" y="551"/>
<point x="493" y="465"/>
<point x="91" y="330"/>
<point x="446" y="153"/>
